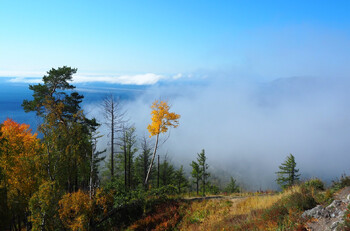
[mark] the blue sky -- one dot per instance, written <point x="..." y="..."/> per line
<point x="255" y="39"/>
<point x="144" y="42"/>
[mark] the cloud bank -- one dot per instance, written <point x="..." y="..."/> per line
<point x="248" y="129"/>
<point x="140" y="79"/>
<point x="136" y="79"/>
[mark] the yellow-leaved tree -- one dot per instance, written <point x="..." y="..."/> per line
<point x="76" y="210"/>
<point x="20" y="166"/>
<point x="162" y="119"/>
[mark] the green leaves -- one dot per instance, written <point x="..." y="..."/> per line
<point x="232" y="187"/>
<point x="287" y="176"/>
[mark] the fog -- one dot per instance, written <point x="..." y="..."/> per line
<point x="248" y="128"/>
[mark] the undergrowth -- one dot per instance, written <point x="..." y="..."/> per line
<point x="281" y="211"/>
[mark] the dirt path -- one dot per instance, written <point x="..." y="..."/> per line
<point x="221" y="197"/>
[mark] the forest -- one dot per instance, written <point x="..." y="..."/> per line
<point x="58" y="179"/>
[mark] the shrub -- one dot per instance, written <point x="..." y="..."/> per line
<point x="43" y="206"/>
<point x="324" y="198"/>
<point x="163" y="191"/>
<point x="343" y="182"/>
<point x="164" y="216"/>
<point x="346" y="225"/>
<point x="76" y="210"/>
<point x="275" y="213"/>
<point x="299" y="201"/>
<point x="315" y="184"/>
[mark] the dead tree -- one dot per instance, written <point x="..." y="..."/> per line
<point x="114" y="116"/>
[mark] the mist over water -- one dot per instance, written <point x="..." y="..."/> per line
<point x="247" y="128"/>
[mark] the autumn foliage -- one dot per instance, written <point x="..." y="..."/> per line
<point x="19" y="164"/>
<point x="162" y="119"/>
<point x="165" y="216"/>
<point x="43" y="206"/>
<point x="75" y="210"/>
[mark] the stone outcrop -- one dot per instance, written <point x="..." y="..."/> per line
<point x="329" y="218"/>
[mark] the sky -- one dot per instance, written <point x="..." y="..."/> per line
<point x="251" y="39"/>
<point x="252" y="80"/>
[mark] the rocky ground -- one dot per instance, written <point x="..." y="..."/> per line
<point x="329" y="218"/>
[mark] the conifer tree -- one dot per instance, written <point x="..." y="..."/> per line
<point x="288" y="174"/>
<point x="143" y="161"/>
<point x="196" y="175"/>
<point x="232" y="187"/>
<point x="166" y="173"/>
<point x="127" y="145"/>
<point x="180" y="179"/>
<point x="65" y="129"/>
<point x="203" y="167"/>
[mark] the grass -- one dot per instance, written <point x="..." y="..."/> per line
<point x="259" y="202"/>
<point x="243" y="211"/>
<point x="278" y="211"/>
<point x="257" y="212"/>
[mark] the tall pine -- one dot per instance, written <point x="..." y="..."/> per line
<point x="288" y="174"/>
<point x="203" y="168"/>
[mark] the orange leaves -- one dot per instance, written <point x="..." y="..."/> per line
<point x="165" y="217"/>
<point x="20" y="153"/>
<point x="162" y="119"/>
<point x="103" y="200"/>
<point x="75" y="210"/>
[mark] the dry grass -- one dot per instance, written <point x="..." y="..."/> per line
<point x="225" y="214"/>
<point x="245" y="206"/>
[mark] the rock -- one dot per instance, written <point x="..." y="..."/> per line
<point x="334" y="204"/>
<point x="314" y="212"/>
<point x="334" y="225"/>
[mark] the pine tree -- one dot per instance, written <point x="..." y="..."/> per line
<point x="65" y="129"/>
<point x="195" y="175"/>
<point x="288" y="174"/>
<point x="203" y="167"/>
<point x="142" y="162"/>
<point x="166" y="173"/>
<point x="180" y="179"/>
<point x="232" y="187"/>
<point x="127" y="143"/>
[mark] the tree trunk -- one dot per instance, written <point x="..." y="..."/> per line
<point x="154" y="155"/>
<point x="91" y="170"/>
<point x="203" y="180"/>
<point x="158" y="174"/>
<point x="112" y="142"/>
<point x="129" y="166"/>
<point x="125" y="156"/>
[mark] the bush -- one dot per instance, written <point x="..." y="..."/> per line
<point x="315" y="184"/>
<point x="163" y="216"/>
<point x="346" y="224"/>
<point x="163" y="191"/>
<point x="76" y="210"/>
<point x="299" y="201"/>
<point x="324" y="198"/>
<point x="43" y="206"/>
<point x="275" y="213"/>
<point x="343" y="182"/>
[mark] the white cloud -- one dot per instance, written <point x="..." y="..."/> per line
<point x="140" y="79"/>
<point x="25" y="80"/>
<point x="178" y="76"/>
